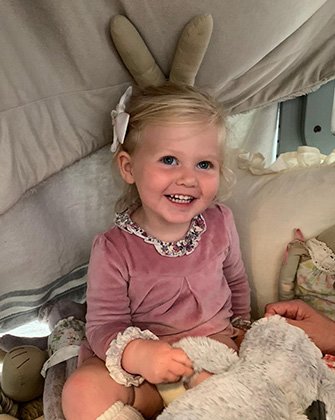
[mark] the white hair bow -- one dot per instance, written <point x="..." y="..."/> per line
<point x="120" y="119"/>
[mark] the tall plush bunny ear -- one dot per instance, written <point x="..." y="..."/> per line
<point x="142" y="66"/>
<point x="135" y="54"/>
<point x="191" y="49"/>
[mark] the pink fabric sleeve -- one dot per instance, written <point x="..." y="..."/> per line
<point x="234" y="271"/>
<point x="108" y="307"/>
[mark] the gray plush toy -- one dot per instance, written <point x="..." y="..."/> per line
<point x="278" y="373"/>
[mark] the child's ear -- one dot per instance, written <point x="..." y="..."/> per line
<point x="125" y="167"/>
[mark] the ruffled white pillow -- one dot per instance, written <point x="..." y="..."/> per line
<point x="297" y="191"/>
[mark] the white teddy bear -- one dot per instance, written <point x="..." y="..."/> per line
<point x="277" y="375"/>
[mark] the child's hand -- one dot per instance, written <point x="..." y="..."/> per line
<point x="156" y="361"/>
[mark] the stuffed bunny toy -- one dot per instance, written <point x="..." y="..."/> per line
<point x="308" y="271"/>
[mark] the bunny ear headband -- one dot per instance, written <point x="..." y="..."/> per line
<point x="190" y="51"/>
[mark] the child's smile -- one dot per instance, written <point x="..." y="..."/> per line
<point x="181" y="199"/>
<point x="176" y="169"/>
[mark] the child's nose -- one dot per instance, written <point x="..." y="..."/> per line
<point x="187" y="177"/>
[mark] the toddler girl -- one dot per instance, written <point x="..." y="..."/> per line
<point x="170" y="267"/>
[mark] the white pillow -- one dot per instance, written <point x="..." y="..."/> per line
<point x="267" y="208"/>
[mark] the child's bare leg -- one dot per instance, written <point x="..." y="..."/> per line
<point x="90" y="391"/>
<point x="147" y="400"/>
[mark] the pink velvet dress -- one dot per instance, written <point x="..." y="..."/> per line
<point x="189" y="288"/>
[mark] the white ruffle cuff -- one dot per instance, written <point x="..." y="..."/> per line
<point x="115" y="352"/>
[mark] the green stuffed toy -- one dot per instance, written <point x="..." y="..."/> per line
<point x="21" y="382"/>
<point x="308" y="271"/>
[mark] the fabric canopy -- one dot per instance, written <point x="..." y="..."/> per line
<point x="60" y="75"/>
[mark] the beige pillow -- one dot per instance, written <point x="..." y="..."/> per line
<point x="267" y="208"/>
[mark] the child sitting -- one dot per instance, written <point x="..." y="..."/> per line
<point x="170" y="267"/>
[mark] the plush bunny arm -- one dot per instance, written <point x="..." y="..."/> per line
<point x="288" y="271"/>
<point x="135" y="54"/>
<point x="191" y="49"/>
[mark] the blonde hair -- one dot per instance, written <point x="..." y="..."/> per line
<point x="179" y="104"/>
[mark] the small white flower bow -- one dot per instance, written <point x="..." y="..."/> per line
<point x="120" y="120"/>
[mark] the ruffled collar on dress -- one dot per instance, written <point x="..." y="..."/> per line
<point x="179" y="248"/>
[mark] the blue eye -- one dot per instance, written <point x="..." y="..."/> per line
<point x="169" y="160"/>
<point x="205" y="164"/>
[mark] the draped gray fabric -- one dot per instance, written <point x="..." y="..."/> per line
<point x="60" y="77"/>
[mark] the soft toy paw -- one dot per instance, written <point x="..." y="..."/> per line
<point x="207" y="354"/>
<point x="277" y="375"/>
<point x="136" y="56"/>
<point x="308" y="271"/>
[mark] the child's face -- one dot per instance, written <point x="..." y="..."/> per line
<point x="176" y="169"/>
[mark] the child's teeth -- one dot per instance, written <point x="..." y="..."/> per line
<point x="178" y="198"/>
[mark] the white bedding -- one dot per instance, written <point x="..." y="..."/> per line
<point x="46" y="237"/>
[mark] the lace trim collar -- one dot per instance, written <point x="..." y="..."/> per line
<point x="322" y="256"/>
<point x="179" y="248"/>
